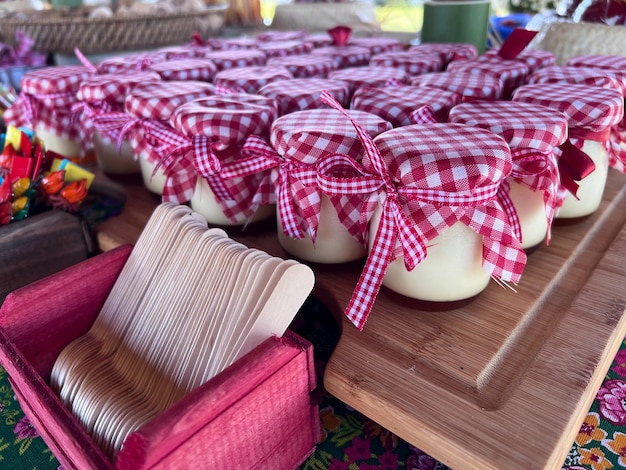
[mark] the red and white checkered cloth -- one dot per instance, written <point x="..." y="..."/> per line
<point x="535" y="59"/>
<point x="532" y="132"/>
<point x="285" y="48"/>
<point x="270" y="36"/>
<point x="592" y="112"/>
<point x="398" y="104"/>
<point x="370" y="76"/>
<point x="511" y="73"/>
<point x="251" y="79"/>
<point x="203" y="70"/>
<point x="189" y="51"/>
<point x="429" y="177"/>
<point x="204" y="132"/>
<point x="46" y="97"/>
<point x="410" y="62"/>
<point x="305" y="66"/>
<point x="447" y="52"/>
<point x="232" y="44"/>
<point x="131" y="62"/>
<point x="319" y="39"/>
<point x="228" y="59"/>
<point x="103" y="94"/>
<point x="377" y="45"/>
<point x="298" y="140"/>
<point x="345" y="56"/>
<point x="300" y="94"/>
<point x="468" y="85"/>
<point x="585" y="75"/>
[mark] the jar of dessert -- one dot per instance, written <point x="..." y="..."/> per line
<point x="149" y="106"/>
<point x="583" y="159"/>
<point x="231" y="58"/>
<point x="403" y="105"/>
<point x="99" y="108"/>
<point x="532" y="132"/>
<point x="285" y="48"/>
<point x="345" y="56"/>
<point x="511" y="73"/>
<point x="198" y="69"/>
<point x="299" y="94"/>
<point x="305" y="66"/>
<point x="370" y="76"/>
<point x="411" y="62"/>
<point x="251" y="79"/>
<point x="44" y="105"/>
<point x="437" y="230"/>
<point x="468" y="85"/>
<point x="212" y="132"/>
<point x="448" y="52"/>
<point x="311" y="226"/>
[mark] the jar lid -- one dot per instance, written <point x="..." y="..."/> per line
<point x="447" y="51"/>
<point x="510" y="72"/>
<point x="397" y="104"/>
<point x="112" y="87"/>
<point x="522" y="125"/>
<point x="345" y="56"/>
<point x="306" y="135"/>
<point x="251" y="79"/>
<point x="468" y="85"/>
<point x="158" y="100"/>
<point x="132" y="62"/>
<point x="226" y="59"/>
<point x="534" y="58"/>
<point x="305" y="66"/>
<point x="377" y="45"/>
<point x="584" y="75"/>
<point x="228" y="118"/>
<point x="370" y="75"/>
<point x="59" y="79"/>
<point x="304" y="93"/>
<point x="598" y="60"/>
<point x="285" y="48"/>
<point x="412" y="62"/>
<point x="230" y="44"/>
<point x="443" y="156"/>
<point x="190" y="51"/>
<point x="586" y="107"/>
<point x="268" y="36"/>
<point x="320" y="39"/>
<point x="202" y="70"/>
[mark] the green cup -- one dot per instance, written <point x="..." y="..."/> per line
<point x="456" y="21"/>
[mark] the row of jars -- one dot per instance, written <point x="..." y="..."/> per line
<point x="442" y="183"/>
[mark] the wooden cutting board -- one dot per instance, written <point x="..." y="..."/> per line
<point x="503" y="382"/>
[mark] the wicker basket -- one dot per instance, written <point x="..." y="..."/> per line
<point x="62" y="30"/>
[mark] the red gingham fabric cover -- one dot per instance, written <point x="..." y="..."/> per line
<point x="305" y="66"/>
<point x="468" y="85"/>
<point x="428" y="177"/>
<point x="203" y="70"/>
<point x="585" y="75"/>
<point x="299" y="94"/>
<point x="598" y="60"/>
<point x="100" y="95"/>
<point x="589" y="109"/>
<point x="47" y="96"/>
<point x="251" y="79"/>
<point x="131" y="62"/>
<point x="319" y="39"/>
<point x="230" y="44"/>
<point x="190" y="51"/>
<point x="345" y="56"/>
<point x="532" y="132"/>
<point x="227" y="59"/>
<point x="398" y="104"/>
<point x="511" y="73"/>
<point x="534" y="58"/>
<point x="298" y="140"/>
<point x="377" y="45"/>
<point x="268" y="36"/>
<point x="371" y="76"/>
<point x="285" y="48"/>
<point x="412" y="63"/>
<point x="207" y="133"/>
<point x="447" y="52"/>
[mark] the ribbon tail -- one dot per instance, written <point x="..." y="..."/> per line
<point x="574" y="165"/>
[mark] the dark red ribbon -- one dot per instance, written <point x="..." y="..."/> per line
<point x="574" y="165"/>
<point x="516" y="43"/>
<point x="340" y="35"/>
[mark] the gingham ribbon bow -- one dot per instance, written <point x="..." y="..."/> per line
<point x="111" y="123"/>
<point x="423" y="115"/>
<point x="25" y="111"/>
<point x="84" y="113"/>
<point x="396" y="226"/>
<point x="617" y="151"/>
<point x="539" y="171"/>
<point x="184" y="160"/>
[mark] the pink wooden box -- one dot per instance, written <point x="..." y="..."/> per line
<point x="256" y="414"/>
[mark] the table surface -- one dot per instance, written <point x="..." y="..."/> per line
<point x="468" y="385"/>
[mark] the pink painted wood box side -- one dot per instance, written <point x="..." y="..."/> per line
<point x="28" y="360"/>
